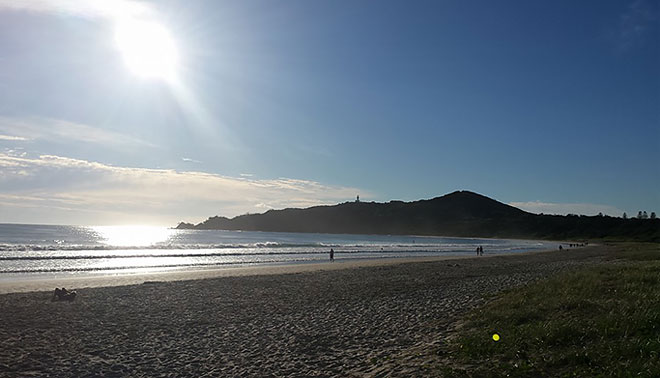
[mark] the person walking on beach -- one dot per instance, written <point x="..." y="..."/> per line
<point x="332" y="254"/>
<point x="477" y="251"/>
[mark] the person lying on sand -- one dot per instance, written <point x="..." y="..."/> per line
<point x="64" y="295"/>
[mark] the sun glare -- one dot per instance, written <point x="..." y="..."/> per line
<point x="148" y="49"/>
<point x="133" y="236"/>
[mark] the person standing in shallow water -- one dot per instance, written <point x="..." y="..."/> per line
<point x="332" y="254"/>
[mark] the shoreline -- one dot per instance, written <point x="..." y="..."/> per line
<point x="26" y="284"/>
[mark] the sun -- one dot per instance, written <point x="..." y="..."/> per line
<point x="148" y="49"/>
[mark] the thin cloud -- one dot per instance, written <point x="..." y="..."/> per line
<point x="78" y="189"/>
<point x="34" y="128"/>
<point x="16" y="152"/>
<point x="538" y="207"/>
<point x="189" y="160"/>
<point x="637" y="22"/>
<point x="12" y="138"/>
<point x="111" y="9"/>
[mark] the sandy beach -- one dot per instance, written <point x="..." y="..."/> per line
<point x="41" y="283"/>
<point x="332" y="319"/>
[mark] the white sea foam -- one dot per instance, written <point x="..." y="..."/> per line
<point x="26" y="249"/>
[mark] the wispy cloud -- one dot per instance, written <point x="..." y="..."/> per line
<point x="639" y="20"/>
<point x="88" y="8"/>
<point x="12" y="138"/>
<point x="538" y="207"/>
<point x="33" y="128"/>
<point x="78" y="189"/>
<point x="15" y="152"/>
<point x="189" y="160"/>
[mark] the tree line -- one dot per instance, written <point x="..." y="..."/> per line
<point x="642" y="215"/>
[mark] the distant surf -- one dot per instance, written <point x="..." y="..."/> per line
<point x="47" y="249"/>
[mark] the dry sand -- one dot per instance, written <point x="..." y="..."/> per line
<point x="357" y="319"/>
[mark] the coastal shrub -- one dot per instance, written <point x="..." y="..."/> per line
<point x="601" y="321"/>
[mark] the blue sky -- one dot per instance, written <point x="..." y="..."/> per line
<point x="550" y="106"/>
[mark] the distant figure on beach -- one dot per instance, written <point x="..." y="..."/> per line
<point x="332" y="254"/>
<point x="64" y="295"/>
<point x="481" y="250"/>
<point x="477" y="251"/>
<point x="560" y="247"/>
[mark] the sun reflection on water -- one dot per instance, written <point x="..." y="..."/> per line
<point x="133" y="236"/>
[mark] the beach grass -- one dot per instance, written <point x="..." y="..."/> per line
<point x="599" y="321"/>
<point x="637" y="252"/>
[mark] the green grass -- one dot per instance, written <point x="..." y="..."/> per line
<point x="637" y="251"/>
<point x="601" y="321"/>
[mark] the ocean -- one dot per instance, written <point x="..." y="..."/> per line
<point x="32" y="250"/>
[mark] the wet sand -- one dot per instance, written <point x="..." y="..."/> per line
<point x="47" y="283"/>
<point x="328" y="320"/>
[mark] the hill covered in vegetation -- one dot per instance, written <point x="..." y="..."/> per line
<point x="461" y="213"/>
